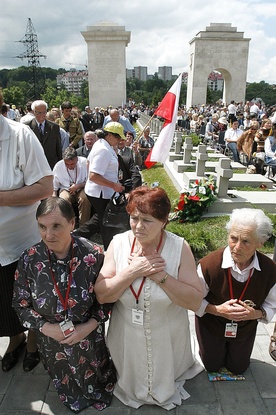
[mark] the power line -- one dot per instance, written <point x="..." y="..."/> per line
<point x="33" y="55"/>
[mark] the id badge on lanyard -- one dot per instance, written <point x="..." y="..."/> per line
<point x="231" y="330"/>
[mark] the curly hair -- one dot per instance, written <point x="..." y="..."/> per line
<point x="150" y="201"/>
<point x="253" y="218"/>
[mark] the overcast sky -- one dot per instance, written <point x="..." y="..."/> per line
<point x="160" y="31"/>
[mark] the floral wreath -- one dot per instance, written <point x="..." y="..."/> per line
<point x="194" y="201"/>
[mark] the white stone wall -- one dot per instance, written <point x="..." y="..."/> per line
<point x="106" y="43"/>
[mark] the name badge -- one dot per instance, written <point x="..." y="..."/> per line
<point x="67" y="328"/>
<point x="137" y="317"/>
<point x="231" y="330"/>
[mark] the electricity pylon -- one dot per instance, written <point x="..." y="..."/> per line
<point x="32" y="54"/>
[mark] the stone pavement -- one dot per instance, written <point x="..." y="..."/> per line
<point x="33" y="393"/>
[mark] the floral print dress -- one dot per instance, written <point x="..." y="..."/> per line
<point x="83" y="374"/>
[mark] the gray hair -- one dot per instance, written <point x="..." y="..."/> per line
<point x="37" y="103"/>
<point x="69" y="153"/>
<point x="52" y="203"/>
<point x="253" y="218"/>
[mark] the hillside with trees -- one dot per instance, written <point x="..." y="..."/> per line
<point x="16" y="87"/>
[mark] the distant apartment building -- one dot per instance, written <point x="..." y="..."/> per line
<point x="215" y="80"/>
<point x="72" y="81"/>
<point x="139" y="72"/>
<point x="165" y="73"/>
<point x="130" y="73"/>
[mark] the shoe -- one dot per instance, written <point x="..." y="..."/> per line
<point x="11" y="359"/>
<point x="272" y="347"/>
<point x="31" y="360"/>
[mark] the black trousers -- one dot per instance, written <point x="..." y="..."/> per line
<point x="99" y="204"/>
<point x="9" y="322"/>
<point x="217" y="352"/>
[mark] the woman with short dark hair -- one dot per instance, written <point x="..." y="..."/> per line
<point x="54" y="295"/>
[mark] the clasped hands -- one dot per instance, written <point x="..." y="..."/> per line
<point x="73" y="189"/>
<point x="81" y="332"/>
<point x="146" y="265"/>
<point x="236" y="310"/>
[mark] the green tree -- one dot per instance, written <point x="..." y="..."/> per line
<point x="13" y="95"/>
<point x="261" y="90"/>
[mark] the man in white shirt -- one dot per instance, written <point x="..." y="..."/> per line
<point x="25" y="179"/>
<point x="70" y="175"/>
<point x="254" y="110"/>
<point x="232" y="112"/>
<point x="231" y="138"/>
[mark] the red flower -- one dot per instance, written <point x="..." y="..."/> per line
<point x="181" y="205"/>
<point x="181" y="202"/>
<point x="194" y="198"/>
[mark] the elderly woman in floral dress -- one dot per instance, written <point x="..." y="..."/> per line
<point x="54" y="294"/>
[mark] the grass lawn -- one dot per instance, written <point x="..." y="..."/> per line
<point x="204" y="236"/>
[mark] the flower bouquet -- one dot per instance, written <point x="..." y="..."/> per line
<point x="194" y="201"/>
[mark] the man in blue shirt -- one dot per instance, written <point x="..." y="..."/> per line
<point x="115" y="116"/>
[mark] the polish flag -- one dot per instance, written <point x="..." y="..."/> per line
<point x="167" y="109"/>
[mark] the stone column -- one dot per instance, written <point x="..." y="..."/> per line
<point x="224" y="173"/>
<point x="106" y="43"/>
<point x="201" y="157"/>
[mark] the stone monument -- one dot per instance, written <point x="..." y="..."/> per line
<point x="220" y="47"/>
<point x="106" y="43"/>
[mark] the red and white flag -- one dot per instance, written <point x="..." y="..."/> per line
<point x="167" y="109"/>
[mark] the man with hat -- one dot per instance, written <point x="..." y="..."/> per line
<point x="103" y="173"/>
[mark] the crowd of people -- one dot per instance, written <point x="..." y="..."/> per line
<point x="60" y="168"/>
<point x="247" y="131"/>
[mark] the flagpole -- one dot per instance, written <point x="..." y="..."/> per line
<point x="141" y="133"/>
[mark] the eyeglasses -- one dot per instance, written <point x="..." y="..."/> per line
<point x="40" y="112"/>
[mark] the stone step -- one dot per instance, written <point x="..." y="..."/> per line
<point x="239" y="199"/>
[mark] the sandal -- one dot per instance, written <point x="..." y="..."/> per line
<point x="272" y="347"/>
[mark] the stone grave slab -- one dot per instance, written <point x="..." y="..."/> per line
<point x="238" y="180"/>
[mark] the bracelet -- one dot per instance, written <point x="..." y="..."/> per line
<point x="263" y="313"/>
<point x="164" y="279"/>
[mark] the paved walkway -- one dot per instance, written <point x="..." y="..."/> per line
<point x="33" y="393"/>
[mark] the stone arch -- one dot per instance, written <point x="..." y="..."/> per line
<point x="224" y="49"/>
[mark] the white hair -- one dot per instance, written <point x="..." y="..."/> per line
<point x="39" y="102"/>
<point x="253" y="218"/>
